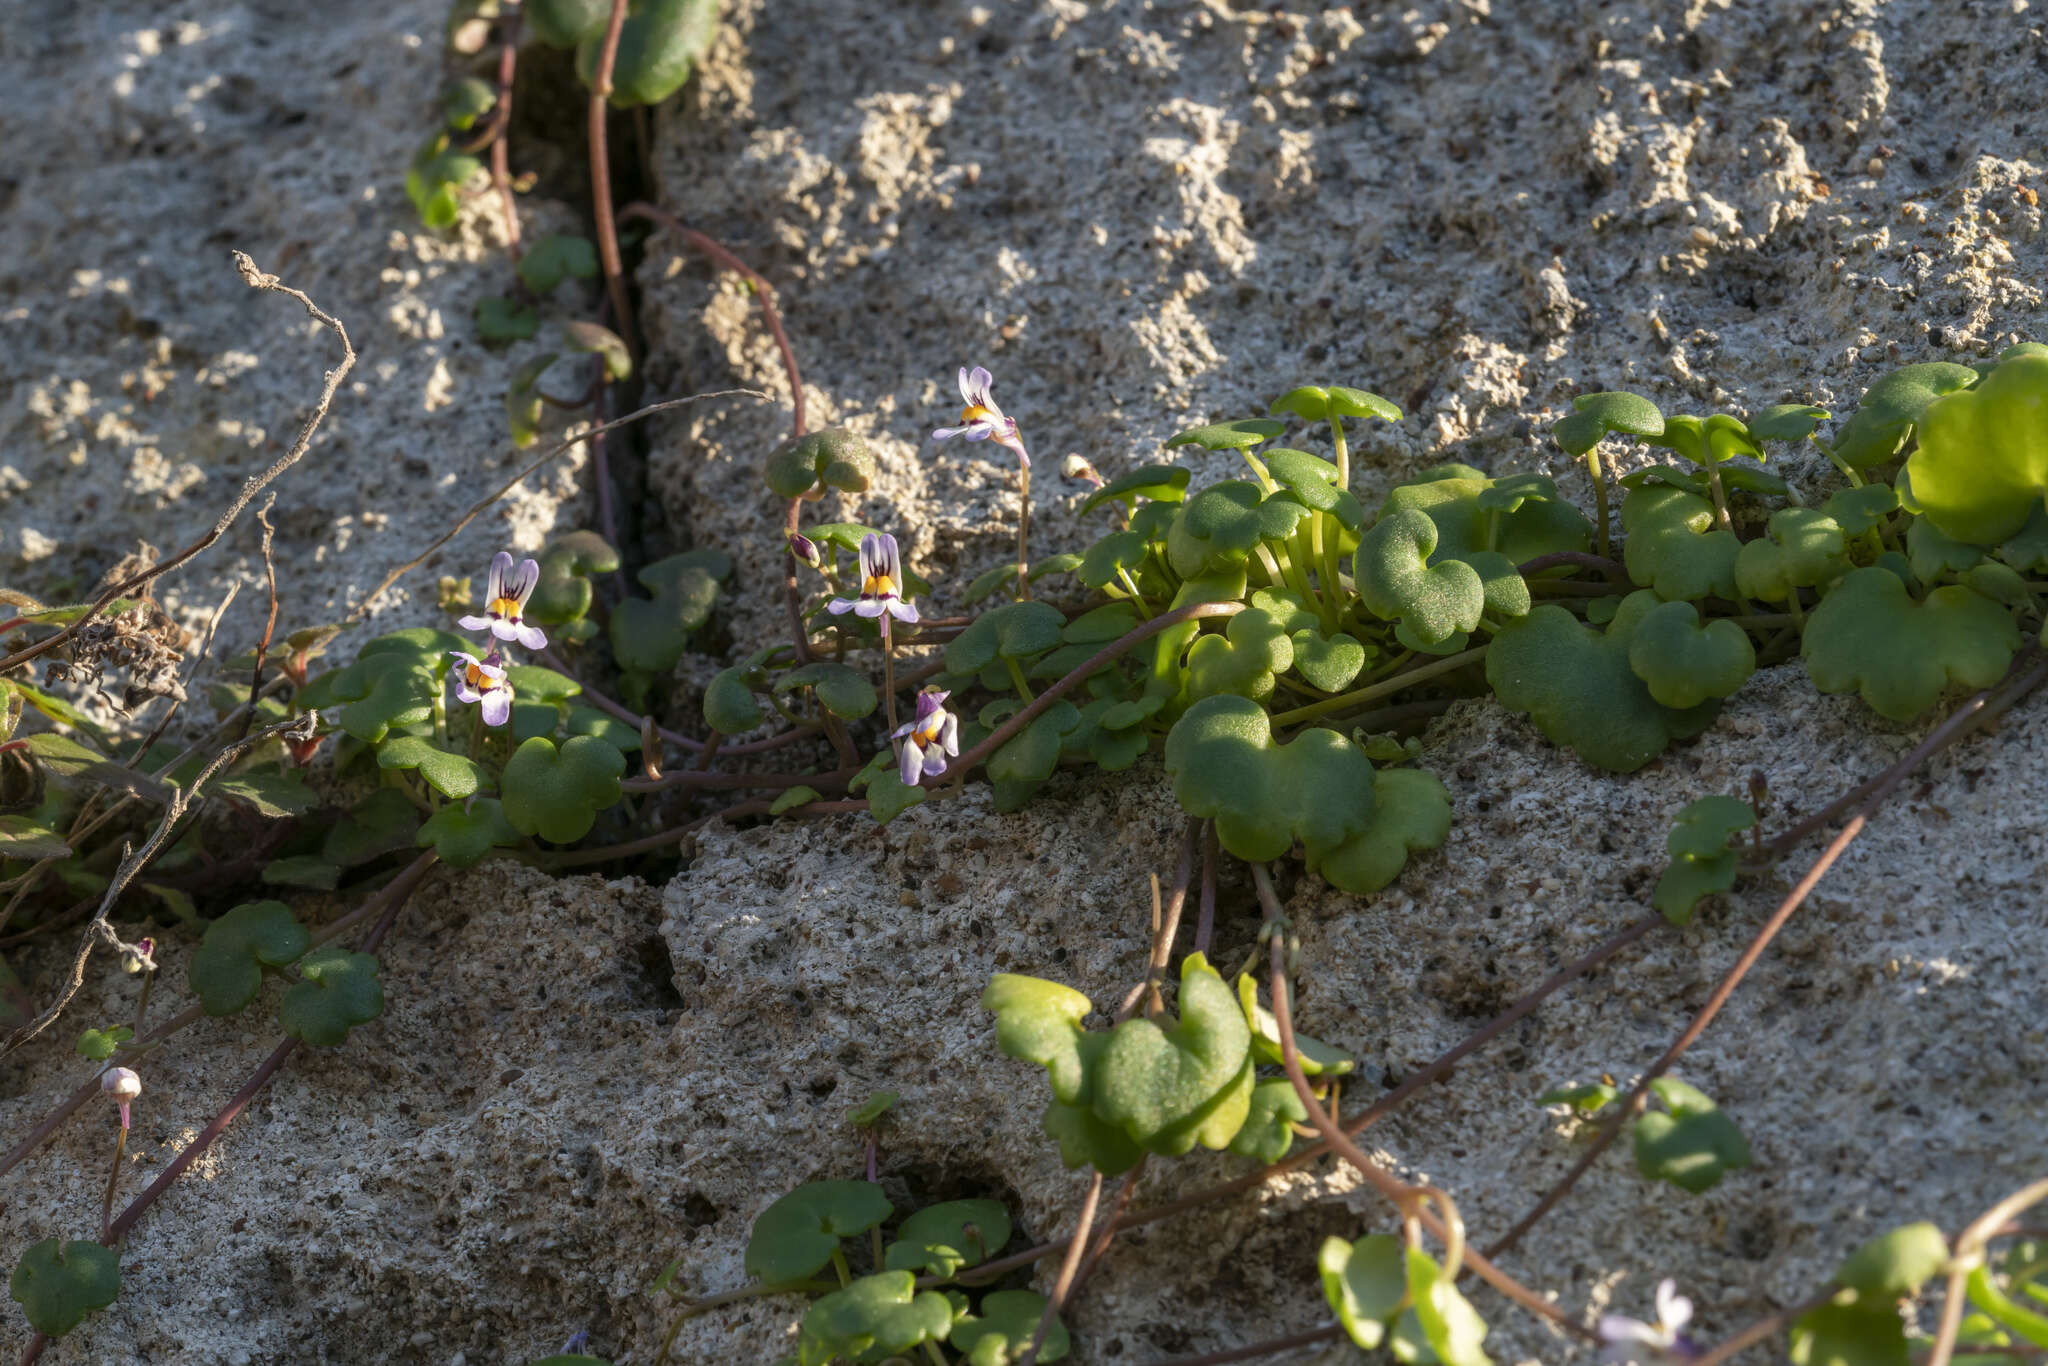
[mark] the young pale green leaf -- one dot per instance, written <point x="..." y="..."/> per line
<point x="1039" y="1021"/>
<point x="1240" y="435"/>
<point x="506" y="320"/>
<point x="1452" y="1326"/>
<point x="1684" y="663"/>
<point x="1693" y="1144"/>
<point x="1157" y="483"/>
<point x="461" y="836"/>
<point x="1880" y="425"/>
<point x="1702" y="863"/>
<point x="1411" y="813"/>
<point x="101" y="1044"/>
<point x="1217" y="528"/>
<point x="1585" y="1098"/>
<point x="1849" y="1335"/>
<point x="1003" y="1324"/>
<point x="794" y="1238"/>
<point x="227" y="968"/>
<point x="58" y="1284"/>
<point x="1895" y="1264"/>
<point x="1709" y="441"/>
<point x="868" y="1114"/>
<point x="1016" y="630"/>
<point x="1125" y="550"/>
<point x="659" y="44"/>
<point x="1267" y="1132"/>
<point x="650" y="634"/>
<point x="451" y="775"/>
<point x="1171" y="1086"/>
<point x="557" y="793"/>
<point x="556" y="257"/>
<point x="1396" y="581"/>
<point x="1593" y="416"/>
<point x="302" y="870"/>
<point x="1320" y="403"/>
<point x="1802" y="548"/>
<point x="1312" y="481"/>
<point x="1262" y="795"/>
<point x="945" y="1238"/>
<point x="805" y="466"/>
<point x="523" y="400"/>
<point x="23" y="838"/>
<point x="341" y="990"/>
<point x="1786" y="422"/>
<point x="2025" y="1321"/>
<point x="878" y="1316"/>
<point x="845" y="691"/>
<point x="1870" y="636"/>
<point x="1317" y="1057"/>
<point x="1577" y="685"/>
<point x="1685" y="882"/>
<point x="591" y="339"/>
<point x="1674" y="547"/>
<point x="466" y="101"/>
<point x="1365" y="1282"/>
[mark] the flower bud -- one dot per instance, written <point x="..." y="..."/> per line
<point x="805" y="549"/>
<point x="139" y="956"/>
<point x="121" y="1085"/>
<point x="1077" y="467"/>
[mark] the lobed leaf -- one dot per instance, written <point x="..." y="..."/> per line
<point x="795" y="1237"/>
<point x="557" y="793"/>
<point x="341" y="990"/>
<point x="227" y="968"/>
<point x="1901" y="655"/>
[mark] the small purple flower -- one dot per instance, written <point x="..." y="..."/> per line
<point x="484" y="680"/>
<point x="981" y="420"/>
<point x="881" y="586"/>
<point x="120" y="1085"/>
<point x="506" y="600"/>
<point x="1651" y="1344"/>
<point x="929" y="740"/>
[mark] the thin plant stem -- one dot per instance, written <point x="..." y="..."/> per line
<point x="601" y="174"/>
<point x="792" y="596"/>
<point x="113" y="1181"/>
<point x="1599" y="496"/>
<point x="889" y="672"/>
<point x="1412" y="1202"/>
<point x="1070" y="1267"/>
<point x="501" y="149"/>
<point x="1023" y="531"/>
<point x="1966" y="1256"/>
<point x="1611" y="1130"/>
<point x="1205" y="923"/>
<point x="1330" y="1333"/>
<point x="1763" y="1328"/>
<point x="1386" y="688"/>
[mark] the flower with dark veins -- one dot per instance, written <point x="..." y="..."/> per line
<point x="981" y="419"/>
<point x="505" y="602"/>
<point x="881" y="582"/>
<point x="925" y="743"/>
<point x="485" y="681"/>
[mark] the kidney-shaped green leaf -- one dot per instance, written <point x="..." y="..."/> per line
<point x="341" y="990"/>
<point x="795" y="1237"/>
<point x="227" y="967"/>
<point x="58" y="1284"/>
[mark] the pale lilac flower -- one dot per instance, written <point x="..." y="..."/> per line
<point x="506" y="600"/>
<point x="881" y="582"/>
<point x="981" y="420"/>
<point x="120" y="1085"/>
<point x="1651" y="1344"/>
<point x="927" y="742"/>
<point x="485" y="681"/>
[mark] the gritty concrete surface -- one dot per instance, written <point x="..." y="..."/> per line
<point x="1140" y="217"/>
<point x="141" y="383"/>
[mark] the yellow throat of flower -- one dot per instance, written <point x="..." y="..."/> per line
<point x="878" y="586"/>
<point x="504" y="607"/>
<point x="974" y="412"/>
